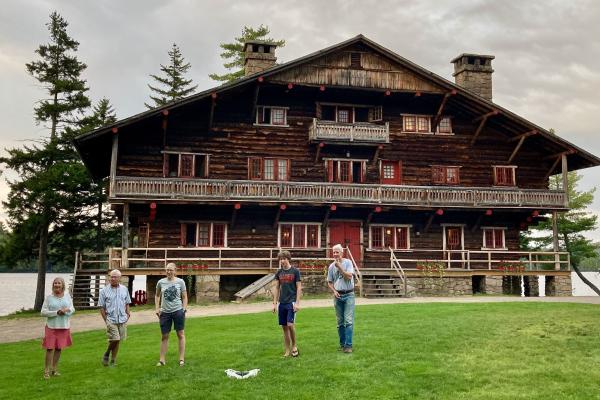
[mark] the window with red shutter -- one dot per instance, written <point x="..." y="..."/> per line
<point x="376" y="237"/>
<point x="382" y="237"/>
<point x="186" y="166"/>
<point x="504" y="176"/>
<point x="498" y="238"/>
<point x="218" y="235"/>
<point x="204" y="235"/>
<point x="255" y="168"/>
<point x="312" y="236"/>
<point x="285" y="239"/>
<point x="402" y="237"/>
<point x="299" y="235"/>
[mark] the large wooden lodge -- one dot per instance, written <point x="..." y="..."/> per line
<point x="352" y="144"/>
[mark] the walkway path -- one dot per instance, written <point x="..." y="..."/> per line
<point x="18" y="329"/>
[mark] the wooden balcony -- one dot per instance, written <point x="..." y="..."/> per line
<point x="360" y="132"/>
<point x="124" y="188"/>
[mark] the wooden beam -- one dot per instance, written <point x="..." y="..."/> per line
<point x="565" y="178"/>
<point x="281" y="208"/>
<point x="522" y="136"/>
<point x="211" y="116"/>
<point x="319" y="147"/>
<point x="164" y="126"/>
<point x="552" y="167"/>
<point x="514" y="153"/>
<point x="113" y="163"/>
<point x="255" y="102"/>
<point x="428" y="223"/>
<point x="376" y="156"/>
<point x="438" y="115"/>
<point x="370" y="217"/>
<point x="479" y="129"/>
<point x="486" y="115"/>
<point x="551" y="156"/>
<point x="477" y="223"/>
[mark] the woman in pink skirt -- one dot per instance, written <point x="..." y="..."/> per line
<point x="58" y="309"/>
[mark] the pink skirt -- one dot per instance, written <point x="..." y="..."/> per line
<point x="56" y="338"/>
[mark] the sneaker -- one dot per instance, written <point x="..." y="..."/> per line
<point x="105" y="360"/>
<point x="347" y="349"/>
<point x="160" y="364"/>
<point x="113" y="363"/>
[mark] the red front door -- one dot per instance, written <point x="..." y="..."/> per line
<point x="348" y="235"/>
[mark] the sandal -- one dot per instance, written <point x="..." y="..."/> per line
<point x="46" y="375"/>
<point x="181" y="363"/>
<point x="55" y="373"/>
<point x="295" y="353"/>
<point x="160" y="364"/>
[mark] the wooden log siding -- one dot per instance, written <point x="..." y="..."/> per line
<point x="207" y="189"/>
<point x="360" y="132"/>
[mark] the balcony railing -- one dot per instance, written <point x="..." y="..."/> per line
<point x="313" y="192"/>
<point x="357" y="132"/>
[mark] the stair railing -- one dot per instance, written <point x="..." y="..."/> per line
<point x="395" y="264"/>
<point x="356" y="272"/>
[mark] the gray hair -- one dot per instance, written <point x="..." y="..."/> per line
<point x="171" y="265"/>
<point x="115" y="272"/>
<point x="62" y="282"/>
<point x="338" y="247"/>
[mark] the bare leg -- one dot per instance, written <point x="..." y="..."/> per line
<point x="292" y="333"/>
<point x="114" y="350"/>
<point x="48" y="361"/>
<point x="181" y="337"/>
<point x="286" y="340"/>
<point x="164" y="346"/>
<point x="55" y="360"/>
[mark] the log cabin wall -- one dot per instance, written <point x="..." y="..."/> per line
<point x="234" y="137"/>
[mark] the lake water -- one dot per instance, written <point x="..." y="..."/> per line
<point x="17" y="291"/>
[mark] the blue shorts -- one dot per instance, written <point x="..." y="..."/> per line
<point x="286" y="314"/>
<point x="176" y="319"/>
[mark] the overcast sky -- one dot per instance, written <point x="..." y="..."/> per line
<point x="547" y="66"/>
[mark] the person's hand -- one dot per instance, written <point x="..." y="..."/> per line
<point x="336" y="294"/>
<point x="296" y="307"/>
<point x="158" y="313"/>
<point x="60" y="311"/>
<point x="274" y="307"/>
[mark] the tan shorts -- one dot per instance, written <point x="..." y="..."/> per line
<point x="116" y="331"/>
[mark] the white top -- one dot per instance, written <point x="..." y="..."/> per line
<point x="50" y="310"/>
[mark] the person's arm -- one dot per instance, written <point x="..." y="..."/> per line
<point x="127" y="311"/>
<point x="69" y="310"/>
<point x="298" y="295"/>
<point x="340" y="266"/>
<point x="184" y="298"/>
<point x="45" y="312"/>
<point x="157" y="298"/>
<point x="102" y="305"/>
<point x="276" y="295"/>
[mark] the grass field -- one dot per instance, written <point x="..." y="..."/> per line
<point x="417" y="351"/>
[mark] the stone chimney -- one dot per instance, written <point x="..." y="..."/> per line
<point x="474" y="73"/>
<point x="258" y="56"/>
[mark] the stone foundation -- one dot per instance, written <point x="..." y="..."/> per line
<point x="558" y="286"/>
<point x="456" y="286"/>
<point x="207" y="288"/>
<point x="493" y="285"/>
<point x="532" y="286"/>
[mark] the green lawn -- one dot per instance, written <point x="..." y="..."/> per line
<point x="422" y="351"/>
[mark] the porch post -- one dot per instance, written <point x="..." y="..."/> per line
<point x="555" y="240"/>
<point x="113" y="165"/>
<point x="565" y="179"/>
<point x="125" y="236"/>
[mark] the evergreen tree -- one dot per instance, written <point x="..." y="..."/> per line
<point x="52" y="186"/>
<point x="175" y="86"/>
<point x="233" y="53"/>
<point x="571" y="225"/>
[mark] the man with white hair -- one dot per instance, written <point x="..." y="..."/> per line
<point x="114" y="308"/>
<point x="340" y="279"/>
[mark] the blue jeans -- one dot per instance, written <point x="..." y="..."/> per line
<point x="344" y="312"/>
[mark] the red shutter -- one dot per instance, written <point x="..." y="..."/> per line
<point x="186" y="165"/>
<point x="376" y="237"/>
<point x="330" y="170"/>
<point x="165" y="165"/>
<point x="218" y="235"/>
<point x="438" y="175"/>
<point x="402" y="237"/>
<point x="498" y="238"/>
<point x="285" y="238"/>
<point x="489" y="238"/>
<point x="312" y="234"/>
<point x="299" y="231"/>
<point x="183" y="234"/>
<point x="388" y="237"/>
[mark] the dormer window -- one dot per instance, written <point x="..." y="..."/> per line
<point x="267" y="115"/>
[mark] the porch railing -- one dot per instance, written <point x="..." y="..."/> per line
<point x="318" y="192"/>
<point x="356" y="132"/>
<point x="395" y="264"/>
<point x="266" y="258"/>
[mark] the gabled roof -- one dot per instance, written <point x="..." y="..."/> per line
<point x="585" y="159"/>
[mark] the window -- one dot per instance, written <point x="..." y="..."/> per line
<point x="391" y="172"/>
<point x="383" y="237"/>
<point x="266" y="115"/>
<point x="346" y="171"/>
<point x="493" y="238"/>
<point x="143" y="235"/>
<point x="203" y="234"/>
<point x="299" y="235"/>
<point x="268" y="169"/>
<point x="375" y="114"/>
<point x="445" y="125"/>
<point x="504" y="176"/>
<point x="348" y="114"/>
<point x="185" y="165"/>
<point x="422" y="124"/>
<point x="445" y="175"/>
<point x="344" y="115"/>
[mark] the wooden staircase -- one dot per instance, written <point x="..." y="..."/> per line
<point x="383" y="282"/>
<point x="85" y="288"/>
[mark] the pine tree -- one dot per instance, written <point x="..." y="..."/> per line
<point x="52" y="186"/>
<point x="571" y="225"/>
<point x="174" y="83"/>
<point x="234" y="52"/>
